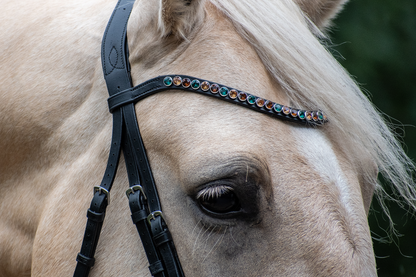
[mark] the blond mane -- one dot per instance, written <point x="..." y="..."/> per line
<point x="291" y="47"/>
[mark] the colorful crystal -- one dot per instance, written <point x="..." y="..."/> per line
<point x="269" y="104"/>
<point x="205" y="86"/>
<point x="167" y="81"/>
<point x="242" y="96"/>
<point x="320" y="116"/>
<point x="286" y="110"/>
<point x="251" y="99"/>
<point x="224" y="91"/>
<point x="186" y="82"/>
<point x="177" y="81"/>
<point x="294" y="112"/>
<point x="315" y="116"/>
<point x="215" y="88"/>
<point x="260" y="102"/>
<point x="302" y="114"/>
<point x="278" y="108"/>
<point x="308" y="116"/>
<point x="233" y="94"/>
<point x="195" y="84"/>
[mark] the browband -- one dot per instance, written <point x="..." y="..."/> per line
<point x="200" y="86"/>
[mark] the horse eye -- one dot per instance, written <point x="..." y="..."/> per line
<point x="222" y="203"/>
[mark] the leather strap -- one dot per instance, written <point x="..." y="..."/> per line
<point x="96" y="212"/>
<point x="137" y="93"/>
<point x="155" y="85"/>
<point x="145" y="172"/>
<point x="116" y="71"/>
<point x="139" y="209"/>
<point x="114" y="49"/>
<point x="164" y="243"/>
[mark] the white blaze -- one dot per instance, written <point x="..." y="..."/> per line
<point x="317" y="149"/>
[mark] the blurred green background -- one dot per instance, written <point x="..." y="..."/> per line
<point x="376" y="41"/>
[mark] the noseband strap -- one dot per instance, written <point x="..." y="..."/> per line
<point x="142" y="195"/>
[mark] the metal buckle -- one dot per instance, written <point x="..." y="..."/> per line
<point x="103" y="190"/>
<point x="154" y="215"/>
<point x="135" y="188"/>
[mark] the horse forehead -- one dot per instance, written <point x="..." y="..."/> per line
<point x="183" y="121"/>
<point x="330" y="164"/>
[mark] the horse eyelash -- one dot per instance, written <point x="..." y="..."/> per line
<point x="212" y="192"/>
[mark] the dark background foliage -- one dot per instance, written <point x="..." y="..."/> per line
<point x="376" y="42"/>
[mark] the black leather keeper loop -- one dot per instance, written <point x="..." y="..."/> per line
<point x="94" y="216"/>
<point x="156" y="268"/>
<point x="162" y="238"/>
<point x="139" y="216"/>
<point x="85" y="260"/>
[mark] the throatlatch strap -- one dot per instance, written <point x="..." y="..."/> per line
<point x="96" y="212"/>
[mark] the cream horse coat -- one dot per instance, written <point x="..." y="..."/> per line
<point x="304" y="192"/>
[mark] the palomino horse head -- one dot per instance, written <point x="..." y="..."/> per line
<point x="244" y="194"/>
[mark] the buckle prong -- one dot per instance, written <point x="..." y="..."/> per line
<point x="103" y="190"/>
<point x="154" y="215"/>
<point x="135" y="188"/>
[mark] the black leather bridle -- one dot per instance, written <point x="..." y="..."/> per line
<point x="142" y="195"/>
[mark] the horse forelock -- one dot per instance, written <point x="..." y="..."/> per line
<point x="296" y="54"/>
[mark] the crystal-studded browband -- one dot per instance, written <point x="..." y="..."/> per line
<point x="232" y="95"/>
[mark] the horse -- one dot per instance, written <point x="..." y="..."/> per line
<point x="244" y="194"/>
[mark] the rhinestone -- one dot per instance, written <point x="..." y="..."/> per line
<point x="195" y="84"/>
<point x="242" y="96"/>
<point x="215" y="88"/>
<point x="186" y="82"/>
<point x="205" y="86"/>
<point x="224" y="91"/>
<point x="177" y="81"/>
<point x="251" y="99"/>
<point x="294" y="112"/>
<point x="167" y="81"/>
<point x="260" y="102"/>
<point x="325" y="118"/>
<point x="233" y="94"/>
<point x="278" y="108"/>
<point x="268" y="105"/>
<point x="308" y="116"/>
<point x="286" y="110"/>
<point x="301" y="114"/>
<point x="315" y="116"/>
<point x="320" y="116"/>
